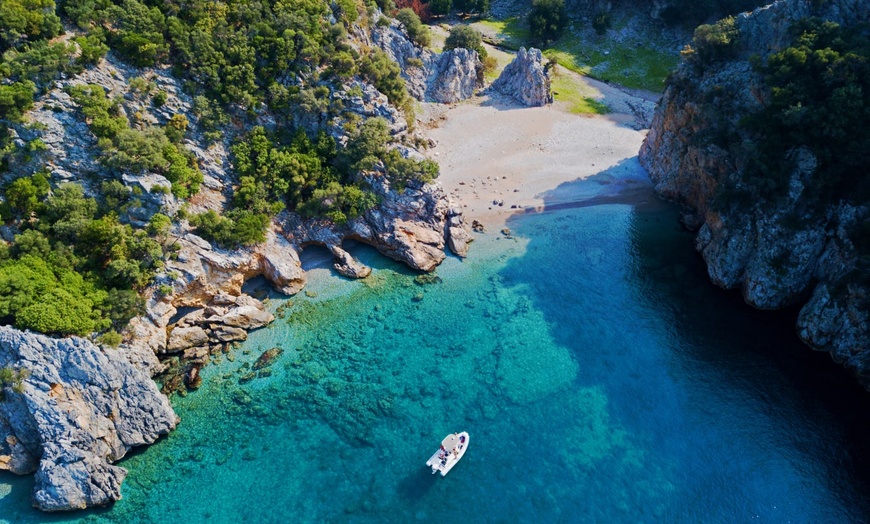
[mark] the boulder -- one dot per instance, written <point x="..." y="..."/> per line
<point x="182" y="338"/>
<point x="454" y="76"/>
<point x="246" y="315"/>
<point x="281" y="265"/>
<point x="79" y="409"/>
<point x="525" y="79"/>
<point x="221" y="333"/>
<point x="446" y="78"/>
<point x="348" y="266"/>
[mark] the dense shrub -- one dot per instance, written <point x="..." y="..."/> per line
<point x="471" y="6"/>
<point x="418" y="32"/>
<point x="440" y="7"/>
<point x="421" y="9"/>
<point x="465" y="37"/>
<point x="239" y="228"/>
<point x="547" y="19"/>
<point x="385" y="75"/>
<point x="401" y="171"/>
<point x="819" y="100"/>
<point x="27" y="20"/>
<point x="713" y="42"/>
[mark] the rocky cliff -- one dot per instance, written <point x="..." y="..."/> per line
<point x="83" y="407"/>
<point x="445" y="78"/>
<point x="791" y="248"/>
<point x="76" y="410"/>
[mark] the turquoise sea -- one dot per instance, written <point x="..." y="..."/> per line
<point x="601" y="377"/>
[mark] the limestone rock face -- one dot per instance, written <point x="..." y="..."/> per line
<point x="455" y="76"/>
<point x="348" y="266"/>
<point x="81" y="409"/>
<point x="525" y="79"/>
<point x="409" y="226"/>
<point x="778" y="253"/>
<point x="446" y="78"/>
<point x="281" y="266"/>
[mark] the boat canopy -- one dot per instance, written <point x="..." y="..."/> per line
<point x="450" y="441"/>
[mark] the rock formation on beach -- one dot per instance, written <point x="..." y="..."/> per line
<point x="800" y="246"/>
<point x="447" y="77"/>
<point x="79" y="409"/>
<point x="525" y="79"/>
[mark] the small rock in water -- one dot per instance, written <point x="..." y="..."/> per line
<point x="418" y="297"/>
<point x="247" y="377"/>
<point x="267" y="358"/>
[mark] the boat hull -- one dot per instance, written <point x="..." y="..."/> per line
<point x="443" y="464"/>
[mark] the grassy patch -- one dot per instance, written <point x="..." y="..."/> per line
<point x="566" y="89"/>
<point x="629" y="65"/>
<point x="638" y="63"/>
<point x="510" y="32"/>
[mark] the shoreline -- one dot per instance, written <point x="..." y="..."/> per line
<point x="499" y="158"/>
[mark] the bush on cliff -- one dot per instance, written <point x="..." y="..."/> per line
<point x="418" y="32"/>
<point x="73" y="267"/>
<point x="819" y="100"/>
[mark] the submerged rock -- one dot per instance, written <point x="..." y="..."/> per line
<point x="80" y="409"/>
<point x="267" y="358"/>
<point x="525" y="79"/>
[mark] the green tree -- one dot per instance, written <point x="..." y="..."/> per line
<point x="440" y="7"/>
<point x="465" y="37"/>
<point x="547" y="19"/>
<point x="418" y="32"/>
<point x="471" y="7"/>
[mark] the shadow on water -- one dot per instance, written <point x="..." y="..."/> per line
<point x="318" y="257"/>
<point x="416" y="485"/>
<point x="687" y="346"/>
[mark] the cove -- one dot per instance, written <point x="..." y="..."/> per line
<point x="600" y="375"/>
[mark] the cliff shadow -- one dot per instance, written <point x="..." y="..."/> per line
<point x="682" y="361"/>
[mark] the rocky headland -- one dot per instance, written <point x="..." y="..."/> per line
<point x="79" y="409"/>
<point x="795" y="249"/>
<point x="82" y="407"/>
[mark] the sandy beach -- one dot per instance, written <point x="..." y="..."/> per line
<point x="499" y="158"/>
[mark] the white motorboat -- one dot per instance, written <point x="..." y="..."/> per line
<point x="452" y="449"/>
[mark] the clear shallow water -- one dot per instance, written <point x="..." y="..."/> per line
<point x="600" y="375"/>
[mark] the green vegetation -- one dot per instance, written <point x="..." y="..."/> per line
<point x="470" y="7"/>
<point x="74" y="267"/>
<point x="14" y="378"/>
<point x="418" y="32"/>
<point x="152" y="149"/>
<point x="622" y="62"/>
<point x="547" y="19"/>
<point x="820" y="100"/>
<point x="465" y="37"/>
<point x="578" y="97"/>
<point x="713" y="42"/>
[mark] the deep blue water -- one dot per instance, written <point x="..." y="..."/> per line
<point x="601" y="376"/>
